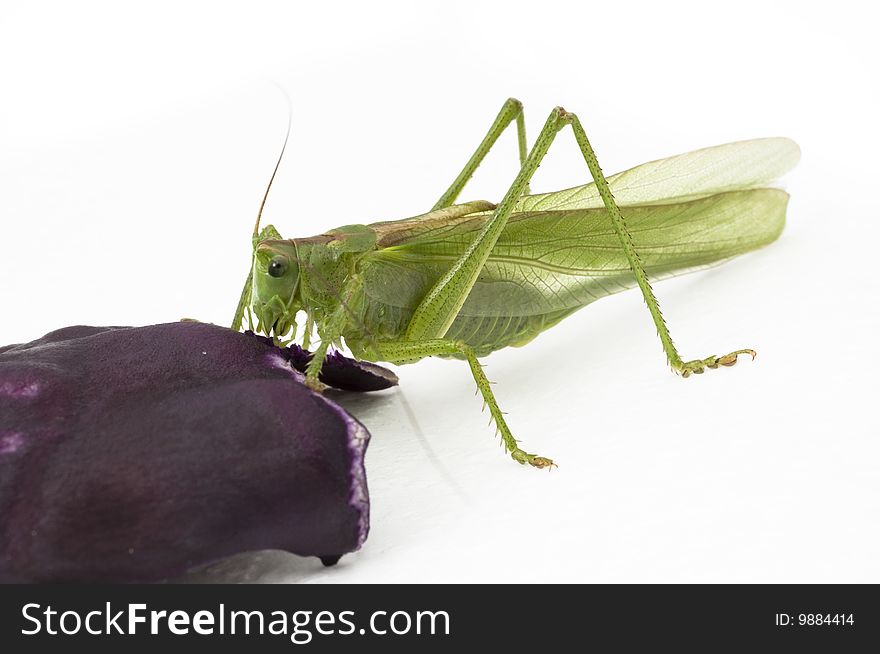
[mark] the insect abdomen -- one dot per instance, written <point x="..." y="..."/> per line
<point x="484" y="334"/>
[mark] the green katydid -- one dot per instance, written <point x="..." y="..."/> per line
<point x="464" y="280"/>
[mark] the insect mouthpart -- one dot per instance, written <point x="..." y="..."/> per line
<point x="275" y="318"/>
<point x="284" y="328"/>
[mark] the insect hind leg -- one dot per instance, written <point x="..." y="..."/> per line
<point x="684" y="368"/>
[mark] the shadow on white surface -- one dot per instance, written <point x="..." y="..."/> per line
<point x="269" y="566"/>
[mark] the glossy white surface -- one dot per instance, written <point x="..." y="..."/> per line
<point x="136" y="146"/>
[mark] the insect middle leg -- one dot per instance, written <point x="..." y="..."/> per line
<point x="438" y="309"/>
<point x="402" y="351"/>
<point x="510" y="111"/>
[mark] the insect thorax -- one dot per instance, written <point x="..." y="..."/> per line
<point x="328" y="287"/>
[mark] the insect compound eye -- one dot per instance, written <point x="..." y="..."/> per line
<point x="278" y="266"/>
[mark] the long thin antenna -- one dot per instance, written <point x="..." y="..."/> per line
<point x="277" y="164"/>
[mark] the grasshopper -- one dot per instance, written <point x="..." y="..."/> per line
<point x="464" y="280"/>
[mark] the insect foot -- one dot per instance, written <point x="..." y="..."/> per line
<point x="697" y="366"/>
<point x="539" y="462"/>
<point x="315" y="385"/>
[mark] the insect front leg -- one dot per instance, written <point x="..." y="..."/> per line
<point x="330" y="329"/>
<point x="403" y="351"/>
<point x="244" y="301"/>
<point x="510" y="111"/>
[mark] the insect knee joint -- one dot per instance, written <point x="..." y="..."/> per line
<point x="463" y="348"/>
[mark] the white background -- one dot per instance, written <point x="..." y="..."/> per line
<point x="135" y="144"/>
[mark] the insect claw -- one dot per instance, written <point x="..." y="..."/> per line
<point x="315" y="385"/>
<point x="542" y="462"/>
<point x="698" y="366"/>
<point x="539" y="462"/>
<point x="730" y="359"/>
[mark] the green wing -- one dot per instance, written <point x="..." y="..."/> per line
<point x="551" y="262"/>
<point x="728" y="167"/>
